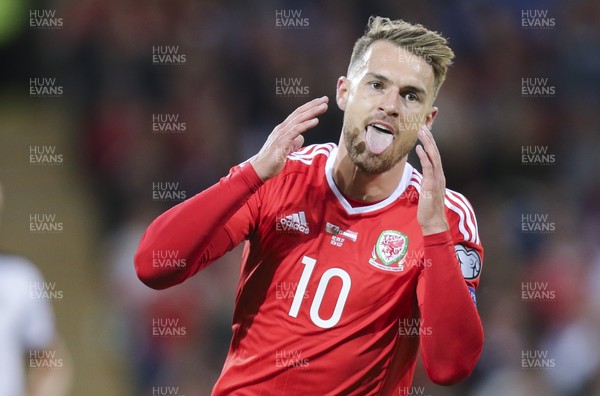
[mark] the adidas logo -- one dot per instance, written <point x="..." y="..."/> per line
<point x="293" y="223"/>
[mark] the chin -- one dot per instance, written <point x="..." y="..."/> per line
<point x="371" y="164"/>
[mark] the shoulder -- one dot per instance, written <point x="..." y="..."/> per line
<point x="304" y="171"/>
<point x="313" y="156"/>
<point x="308" y="162"/>
<point x="310" y="155"/>
<point x="459" y="210"/>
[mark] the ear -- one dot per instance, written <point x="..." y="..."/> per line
<point x="430" y="117"/>
<point x="341" y="93"/>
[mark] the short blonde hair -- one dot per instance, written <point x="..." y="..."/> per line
<point x="415" y="38"/>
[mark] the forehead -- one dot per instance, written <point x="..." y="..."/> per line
<point x="396" y="63"/>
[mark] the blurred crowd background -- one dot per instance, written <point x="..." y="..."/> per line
<point x="225" y="91"/>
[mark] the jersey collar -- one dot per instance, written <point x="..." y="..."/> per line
<point x="408" y="169"/>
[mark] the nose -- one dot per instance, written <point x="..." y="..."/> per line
<point x="389" y="103"/>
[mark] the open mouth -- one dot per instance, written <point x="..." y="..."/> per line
<point x="381" y="128"/>
<point x="378" y="137"/>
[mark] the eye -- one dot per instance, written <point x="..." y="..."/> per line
<point x="377" y="85"/>
<point x="411" y="96"/>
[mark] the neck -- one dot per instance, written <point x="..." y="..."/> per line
<point x="361" y="186"/>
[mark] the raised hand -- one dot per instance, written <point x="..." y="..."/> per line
<point x="430" y="212"/>
<point x="287" y="138"/>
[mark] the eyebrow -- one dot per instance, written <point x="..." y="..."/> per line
<point x="383" y="78"/>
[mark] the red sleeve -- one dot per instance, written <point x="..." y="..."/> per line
<point x="194" y="231"/>
<point x="446" y="295"/>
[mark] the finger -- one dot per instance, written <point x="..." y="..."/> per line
<point x="426" y="165"/>
<point x="302" y="127"/>
<point x="426" y="138"/>
<point x="308" y="114"/>
<point x="292" y="146"/>
<point x="297" y="142"/>
<point x="305" y="107"/>
<point x="310" y="118"/>
<point x="433" y="155"/>
<point x="313" y="103"/>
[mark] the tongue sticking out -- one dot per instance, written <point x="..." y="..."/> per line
<point x="377" y="141"/>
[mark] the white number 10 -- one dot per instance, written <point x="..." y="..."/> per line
<point x="320" y="293"/>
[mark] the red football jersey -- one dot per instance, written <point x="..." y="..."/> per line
<point x="329" y="295"/>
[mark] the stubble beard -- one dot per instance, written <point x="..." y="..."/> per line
<point x="368" y="162"/>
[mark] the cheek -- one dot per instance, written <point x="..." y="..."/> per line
<point x="409" y="133"/>
<point x="357" y="107"/>
<point x="411" y="122"/>
<point x="352" y="113"/>
<point x="412" y="133"/>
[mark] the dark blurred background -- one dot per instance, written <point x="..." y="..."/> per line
<point x="137" y="133"/>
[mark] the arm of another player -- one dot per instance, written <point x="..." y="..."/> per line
<point x="455" y="336"/>
<point x="194" y="229"/>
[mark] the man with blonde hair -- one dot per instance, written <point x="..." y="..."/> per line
<point x="353" y="259"/>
